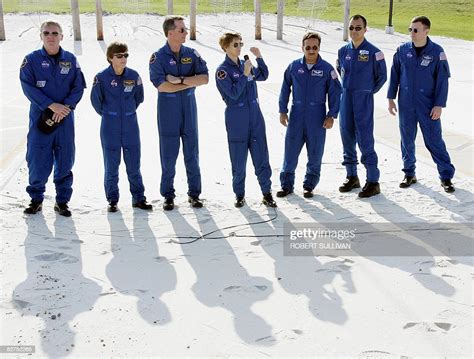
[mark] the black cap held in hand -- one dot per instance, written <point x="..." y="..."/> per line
<point x="46" y="123"/>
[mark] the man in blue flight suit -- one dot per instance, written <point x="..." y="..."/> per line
<point x="51" y="78"/>
<point x="116" y="94"/>
<point x="420" y="74"/>
<point x="312" y="80"/>
<point x="363" y="72"/>
<point x="245" y="125"/>
<point x="176" y="71"/>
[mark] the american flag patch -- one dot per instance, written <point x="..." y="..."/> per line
<point x="333" y="75"/>
<point x="379" y="56"/>
<point x="442" y="56"/>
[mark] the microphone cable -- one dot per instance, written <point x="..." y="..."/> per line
<point x="232" y="234"/>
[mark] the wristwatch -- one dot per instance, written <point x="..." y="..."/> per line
<point x="182" y="80"/>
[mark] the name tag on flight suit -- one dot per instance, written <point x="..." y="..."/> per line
<point x="128" y="85"/>
<point x="65" y="67"/>
<point x="363" y="55"/>
<point x="426" y="60"/>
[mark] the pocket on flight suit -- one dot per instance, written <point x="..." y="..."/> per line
<point x="237" y="121"/>
<point x="169" y="115"/>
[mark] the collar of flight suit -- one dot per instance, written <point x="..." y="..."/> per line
<point x="361" y="46"/>
<point x="317" y="63"/>
<point x="170" y="52"/>
<point x="428" y="47"/>
<point x="61" y="53"/>
<point x="111" y="71"/>
<point x="229" y="61"/>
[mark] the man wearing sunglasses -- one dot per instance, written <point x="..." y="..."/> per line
<point x="363" y="72"/>
<point x="311" y="80"/>
<point x="420" y="74"/>
<point x="52" y="79"/>
<point x="176" y="71"/>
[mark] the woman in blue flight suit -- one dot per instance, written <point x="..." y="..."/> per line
<point x="116" y="94"/>
<point x="244" y="121"/>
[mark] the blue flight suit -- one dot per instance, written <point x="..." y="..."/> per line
<point x="177" y="117"/>
<point x="363" y="72"/>
<point x="421" y="83"/>
<point x="244" y="122"/>
<point x="116" y="98"/>
<point x="46" y="80"/>
<point x="308" y="112"/>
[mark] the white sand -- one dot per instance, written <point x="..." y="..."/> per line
<point x="118" y="286"/>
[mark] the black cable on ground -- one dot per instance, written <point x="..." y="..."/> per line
<point x="232" y="234"/>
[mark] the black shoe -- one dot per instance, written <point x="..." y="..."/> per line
<point x="283" y="192"/>
<point x="448" y="186"/>
<point x="168" y="205"/>
<point x="143" y="205"/>
<point x="195" y="202"/>
<point x="239" y="202"/>
<point x="268" y="200"/>
<point x="33" y="207"/>
<point x="407" y="181"/>
<point x="370" y="189"/>
<point x="307" y="193"/>
<point x="349" y="184"/>
<point x="62" y="209"/>
<point x="112" y="207"/>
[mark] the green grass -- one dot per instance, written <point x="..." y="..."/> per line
<point x="452" y="18"/>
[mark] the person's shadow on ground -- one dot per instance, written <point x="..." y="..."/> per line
<point x="55" y="290"/>
<point x="221" y="281"/>
<point x="137" y="269"/>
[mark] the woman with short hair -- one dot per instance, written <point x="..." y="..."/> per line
<point x="116" y="94"/>
<point x="236" y="81"/>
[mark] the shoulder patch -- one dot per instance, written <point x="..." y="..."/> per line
<point x="96" y="81"/>
<point x="221" y="74"/>
<point x="139" y="81"/>
<point x="77" y="65"/>
<point x="334" y="75"/>
<point x="379" y="56"/>
<point x="23" y="64"/>
<point x="196" y="53"/>
<point x="153" y="58"/>
<point x="442" y="56"/>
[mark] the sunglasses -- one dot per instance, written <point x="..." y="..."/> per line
<point x="119" y="56"/>
<point x="356" y="28"/>
<point x="237" y="44"/>
<point x="181" y="30"/>
<point x="414" y="30"/>
<point x="54" y="33"/>
<point x="307" y="48"/>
